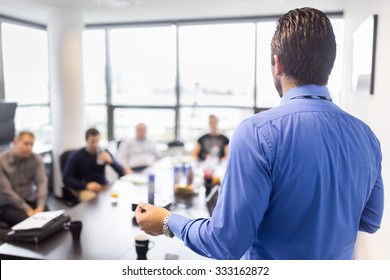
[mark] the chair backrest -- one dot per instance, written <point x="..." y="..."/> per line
<point x="118" y="143"/>
<point x="64" y="157"/>
<point x="67" y="194"/>
<point x="175" y="143"/>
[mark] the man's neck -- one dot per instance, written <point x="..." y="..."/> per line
<point x="90" y="151"/>
<point x="288" y="83"/>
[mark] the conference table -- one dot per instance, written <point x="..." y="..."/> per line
<point x="108" y="229"/>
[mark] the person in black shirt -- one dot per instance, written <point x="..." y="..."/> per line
<point x="84" y="171"/>
<point x="212" y="144"/>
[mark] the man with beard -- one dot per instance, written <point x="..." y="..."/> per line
<point x="301" y="178"/>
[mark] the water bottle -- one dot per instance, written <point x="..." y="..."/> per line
<point x="98" y="160"/>
<point x="151" y="189"/>
<point x="189" y="175"/>
<point x="176" y="177"/>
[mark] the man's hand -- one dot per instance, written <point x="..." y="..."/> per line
<point x="30" y="212"/>
<point x="94" y="186"/>
<point x="150" y="218"/>
<point x="128" y="170"/>
<point x="105" y="157"/>
<point x="38" y="209"/>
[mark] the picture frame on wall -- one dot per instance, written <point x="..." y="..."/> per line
<point x="364" y="52"/>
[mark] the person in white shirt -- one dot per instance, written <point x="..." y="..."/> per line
<point x="139" y="153"/>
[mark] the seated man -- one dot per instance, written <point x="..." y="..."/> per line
<point x="139" y="153"/>
<point x="84" y="171"/>
<point x="23" y="182"/>
<point x="212" y="144"/>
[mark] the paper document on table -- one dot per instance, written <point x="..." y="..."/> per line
<point x="136" y="179"/>
<point x="38" y="220"/>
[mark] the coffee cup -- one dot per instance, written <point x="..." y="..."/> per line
<point x="75" y="228"/>
<point x="142" y="245"/>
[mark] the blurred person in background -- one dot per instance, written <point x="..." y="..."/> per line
<point x="213" y="144"/>
<point x="138" y="153"/>
<point x="23" y="181"/>
<point x="84" y="171"/>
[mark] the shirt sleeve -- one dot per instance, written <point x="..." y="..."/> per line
<point x="226" y="140"/>
<point x="41" y="182"/>
<point x="372" y="214"/>
<point x="8" y="195"/>
<point x="243" y="200"/>
<point x="116" y="166"/>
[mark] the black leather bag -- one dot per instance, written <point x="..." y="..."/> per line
<point x="37" y="235"/>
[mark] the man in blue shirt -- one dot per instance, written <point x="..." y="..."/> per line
<point x="302" y="178"/>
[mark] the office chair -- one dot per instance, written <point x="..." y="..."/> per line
<point x="68" y="194"/>
<point x="175" y="148"/>
<point x="175" y="143"/>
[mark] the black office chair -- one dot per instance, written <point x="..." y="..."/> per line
<point x="118" y="143"/>
<point x="3" y="225"/>
<point x="68" y="194"/>
<point x="175" y="144"/>
<point x="175" y="148"/>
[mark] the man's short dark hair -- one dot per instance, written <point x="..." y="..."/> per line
<point x="91" y="132"/>
<point x="306" y="46"/>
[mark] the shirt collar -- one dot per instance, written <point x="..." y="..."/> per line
<point x="312" y="90"/>
<point x="14" y="159"/>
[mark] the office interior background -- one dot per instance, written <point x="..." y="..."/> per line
<point x="73" y="64"/>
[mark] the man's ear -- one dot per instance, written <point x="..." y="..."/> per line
<point x="278" y="67"/>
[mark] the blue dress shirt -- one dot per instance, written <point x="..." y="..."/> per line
<point x="301" y="180"/>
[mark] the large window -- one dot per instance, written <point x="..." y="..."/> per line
<point x="94" y="55"/>
<point x="266" y="94"/>
<point x="217" y="64"/>
<point x="335" y="80"/>
<point x="172" y="77"/>
<point x="25" y="64"/>
<point x="95" y="89"/>
<point x="160" y="123"/>
<point x="96" y="116"/>
<point x="143" y="65"/>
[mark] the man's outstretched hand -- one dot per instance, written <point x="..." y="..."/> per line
<point x="150" y="218"/>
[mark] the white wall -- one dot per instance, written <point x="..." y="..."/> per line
<point x="374" y="110"/>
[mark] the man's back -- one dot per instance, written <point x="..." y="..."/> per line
<point x="317" y="167"/>
<point x="302" y="178"/>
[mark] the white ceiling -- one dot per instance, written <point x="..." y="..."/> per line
<point x="153" y="10"/>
